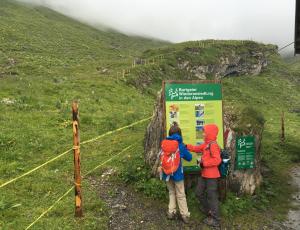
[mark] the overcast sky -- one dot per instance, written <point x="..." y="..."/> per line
<point x="268" y="21"/>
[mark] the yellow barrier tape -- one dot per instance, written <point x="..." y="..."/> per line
<point x="116" y="130"/>
<point x="52" y="206"/>
<point x="34" y="169"/>
<point x="128" y="147"/>
<point x="74" y="147"/>
<point x="59" y="199"/>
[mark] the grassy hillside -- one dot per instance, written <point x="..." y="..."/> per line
<point x="47" y="60"/>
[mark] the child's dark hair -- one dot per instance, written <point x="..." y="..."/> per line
<point x="174" y="129"/>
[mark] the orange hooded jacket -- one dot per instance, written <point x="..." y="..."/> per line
<point x="211" y="158"/>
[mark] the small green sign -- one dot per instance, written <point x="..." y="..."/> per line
<point x="245" y="152"/>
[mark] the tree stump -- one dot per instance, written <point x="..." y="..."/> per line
<point x="248" y="122"/>
<point x="154" y="135"/>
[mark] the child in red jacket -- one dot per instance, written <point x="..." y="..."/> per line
<point x="207" y="188"/>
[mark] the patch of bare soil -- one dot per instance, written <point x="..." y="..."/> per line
<point x="130" y="210"/>
<point x="293" y="221"/>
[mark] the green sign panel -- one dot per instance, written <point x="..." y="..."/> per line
<point x="193" y="92"/>
<point x="245" y="152"/>
<point x="192" y="106"/>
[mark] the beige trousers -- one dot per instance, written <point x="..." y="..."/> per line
<point x="177" y="193"/>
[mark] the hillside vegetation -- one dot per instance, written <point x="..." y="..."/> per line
<point x="47" y="60"/>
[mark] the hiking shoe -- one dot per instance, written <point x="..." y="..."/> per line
<point x="185" y="219"/>
<point x="171" y="215"/>
<point x="211" y="222"/>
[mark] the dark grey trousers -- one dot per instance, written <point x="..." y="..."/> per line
<point x="207" y="193"/>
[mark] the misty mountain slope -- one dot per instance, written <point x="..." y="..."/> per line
<point x="47" y="60"/>
<point x="52" y="40"/>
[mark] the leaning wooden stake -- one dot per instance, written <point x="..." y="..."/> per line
<point x="76" y="150"/>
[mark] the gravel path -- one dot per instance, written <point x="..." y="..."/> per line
<point x="130" y="210"/>
<point x="293" y="221"/>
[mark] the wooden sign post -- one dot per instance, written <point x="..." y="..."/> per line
<point x="76" y="150"/>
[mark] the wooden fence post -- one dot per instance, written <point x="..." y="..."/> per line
<point x="76" y="150"/>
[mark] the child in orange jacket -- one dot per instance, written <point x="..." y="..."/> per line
<point x="207" y="188"/>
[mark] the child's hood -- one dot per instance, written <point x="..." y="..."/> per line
<point x="211" y="132"/>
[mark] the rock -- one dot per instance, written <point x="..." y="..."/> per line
<point x="119" y="206"/>
<point x="193" y="50"/>
<point x="295" y="110"/>
<point x="11" y="62"/>
<point x="102" y="70"/>
<point x="200" y="71"/>
<point x="139" y="61"/>
<point x="8" y="101"/>
<point x="183" y="65"/>
<point x="232" y="65"/>
<point x="108" y="172"/>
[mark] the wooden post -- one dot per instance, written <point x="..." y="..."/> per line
<point x="282" y="127"/>
<point x="164" y="125"/>
<point x="76" y="150"/>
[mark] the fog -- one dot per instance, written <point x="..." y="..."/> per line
<point x="267" y="21"/>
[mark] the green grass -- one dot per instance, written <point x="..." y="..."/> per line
<point x="47" y="60"/>
<point x="55" y="60"/>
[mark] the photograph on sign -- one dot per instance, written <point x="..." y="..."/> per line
<point x="193" y="105"/>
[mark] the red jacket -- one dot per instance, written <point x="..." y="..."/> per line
<point x="210" y="158"/>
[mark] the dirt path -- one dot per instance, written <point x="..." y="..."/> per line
<point x="130" y="210"/>
<point x="293" y="221"/>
